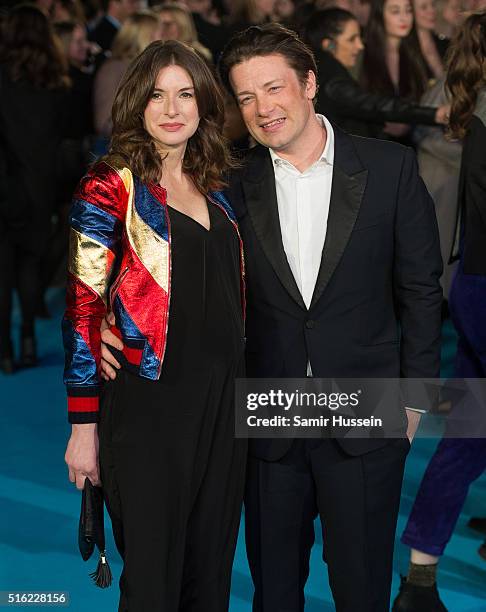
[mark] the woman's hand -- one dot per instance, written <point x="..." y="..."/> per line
<point x="442" y="114"/>
<point x="82" y="454"/>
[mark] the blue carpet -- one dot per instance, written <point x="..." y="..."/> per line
<point x="40" y="508"/>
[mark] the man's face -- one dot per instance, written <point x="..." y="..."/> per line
<point x="275" y="105"/>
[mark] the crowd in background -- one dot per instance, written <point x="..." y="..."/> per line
<point x="377" y="60"/>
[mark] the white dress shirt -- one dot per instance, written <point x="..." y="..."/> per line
<point x="303" y="207"/>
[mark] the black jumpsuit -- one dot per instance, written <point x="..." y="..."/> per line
<point x="172" y="470"/>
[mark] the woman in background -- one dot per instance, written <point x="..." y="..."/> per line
<point x="392" y="60"/>
<point x="177" y="24"/>
<point x="458" y="461"/>
<point x="432" y="46"/>
<point x="74" y="149"/>
<point x="136" y="33"/>
<point x="450" y="17"/>
<point x="80" y="113"/>
<point x="33" y="87"/>
<point x="439" y="160"/>
<point x="335" y="37"/>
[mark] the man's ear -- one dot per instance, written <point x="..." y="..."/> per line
<point x="311" y="85"/>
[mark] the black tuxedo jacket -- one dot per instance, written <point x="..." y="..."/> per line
<point x="375" y="312"/>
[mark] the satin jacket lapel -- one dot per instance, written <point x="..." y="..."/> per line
<point x="348" y="186"/>
<point x="261" y="201"/>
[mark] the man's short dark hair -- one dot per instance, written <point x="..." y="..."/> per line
<point x="268" y="39"/>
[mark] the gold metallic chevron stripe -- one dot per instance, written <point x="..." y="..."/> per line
<point x="89" y="260"/>
<point x="152" y="250"/>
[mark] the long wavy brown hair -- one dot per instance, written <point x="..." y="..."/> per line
<point x="207" y="155"/>
<point x="31" y="51"/>
<point x="466" y="72"/>
<point x="375" y="76"/>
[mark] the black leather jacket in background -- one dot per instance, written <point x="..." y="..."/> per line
<point x="343" y="101"/>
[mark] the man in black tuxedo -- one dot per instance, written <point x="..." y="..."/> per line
<point x="343" y="265"/>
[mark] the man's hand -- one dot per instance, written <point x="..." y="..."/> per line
<point x="109" y="364"/>
<point x="82" y="455"/>
<point x="442" y="114"/>
<point x="413" y="423"/>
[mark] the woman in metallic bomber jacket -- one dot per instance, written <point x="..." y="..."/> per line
<point x="168" y="262"/>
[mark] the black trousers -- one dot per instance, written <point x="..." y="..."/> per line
<point x="357" y="499"/>
<point x="20" y="269"/>
<point x="173" y="479"/>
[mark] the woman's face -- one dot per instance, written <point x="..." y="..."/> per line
<point x="78" y="47"/>
<point x="398" y="18"/>
<point x="348" y="45"/>
<point x="425" y="14"/>
<point x="452" y="13"/>
<point x="171" y="116"/>
<point x="169" y="27"/>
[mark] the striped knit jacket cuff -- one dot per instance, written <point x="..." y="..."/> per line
<point x="83" y="404"/>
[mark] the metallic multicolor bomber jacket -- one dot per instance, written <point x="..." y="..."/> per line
<point x="119" y="260"/>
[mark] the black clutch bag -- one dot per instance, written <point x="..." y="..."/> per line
<point x="92" y="532"/>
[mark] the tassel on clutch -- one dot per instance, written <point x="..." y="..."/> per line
<point x="92" y="532"/>
<point x="102" y="575"/>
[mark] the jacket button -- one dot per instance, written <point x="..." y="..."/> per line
<point x="310" y="324"/>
